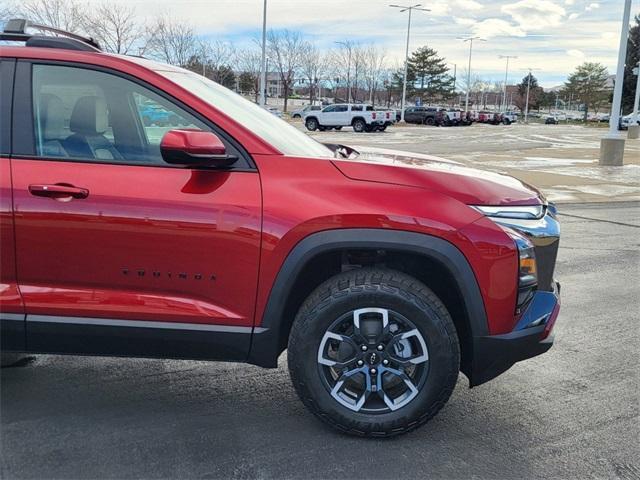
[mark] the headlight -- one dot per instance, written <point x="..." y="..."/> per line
<point x="508" y="218"/>
<point x="520" y="212"/>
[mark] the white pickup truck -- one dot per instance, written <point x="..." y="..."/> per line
<point x="363" y="118"/>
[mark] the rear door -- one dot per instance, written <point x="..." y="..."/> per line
<point x="12" y="334"/>
<point x="118" y="252"/>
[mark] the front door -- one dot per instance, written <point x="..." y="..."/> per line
<point x="118" y="252"/>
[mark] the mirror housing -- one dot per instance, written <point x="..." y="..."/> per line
<point x="194" y="148"/>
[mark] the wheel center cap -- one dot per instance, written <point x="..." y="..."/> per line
<point x="373" y="358"/>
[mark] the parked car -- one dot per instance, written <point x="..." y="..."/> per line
<point x="421" y="115"/>
<point x="155" y="115"/>
<point x="362" y="117"/>
<point x="509" y="117"/>
<point x="551" y="120"/>
<point x="383" y="273"/>
<point x="448" y="117"/>
<point x="302" y="112"/>
<point x="627" y="120"/>
<point x="492" y="118"/>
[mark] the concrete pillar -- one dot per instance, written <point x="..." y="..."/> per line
<point x="634" y="132"/>
<point x="611" y="151"/>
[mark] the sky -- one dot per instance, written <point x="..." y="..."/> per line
<point x="551" y="37"/>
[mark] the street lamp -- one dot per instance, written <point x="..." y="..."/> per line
<point x="455" y="68"/>
<point x="612" y="144"/>
<point x="263" y="63"/>
<point x="406" y="53"/>
<point x="506" y="74"/>
<point x="347" y="45"/>
<point x="470" y="40"/>
<point x="526" y="106"/>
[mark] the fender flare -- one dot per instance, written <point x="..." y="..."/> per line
<point x="266" y="344"/>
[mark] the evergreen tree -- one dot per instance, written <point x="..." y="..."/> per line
<point x="428" y="74"/>
<point x="633" y="57"/>
<point x="588" y="84"/>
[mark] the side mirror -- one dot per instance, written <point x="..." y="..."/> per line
<point x="194" y="148"/>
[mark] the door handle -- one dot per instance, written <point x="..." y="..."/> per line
<point x="58" y="191"/>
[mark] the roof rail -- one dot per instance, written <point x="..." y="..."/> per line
<point x="15" y="30"/>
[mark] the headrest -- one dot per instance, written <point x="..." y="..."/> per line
<point x="89" y="116"/>
<point x="51" y="117"/>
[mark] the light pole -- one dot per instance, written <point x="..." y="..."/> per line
<point x="636" y="101"/>
<point x="406" y="53"/>
<point x="612" y="144"/>
<point x="470" y="40"/>
<point x="263" y="64"/>
<point x="526" y="106"/>
<point x="506" y="75"/>
<point x="347" y="45"/>
<point x="455" y="68"/>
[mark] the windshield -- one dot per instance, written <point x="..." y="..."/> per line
<point x="276" y="132"/>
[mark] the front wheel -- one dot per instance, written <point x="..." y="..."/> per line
<point x="311" y="124"/>
<point x="373" y="352"/>
<point x="359" y="125"/>
<point x="429" y="121"/>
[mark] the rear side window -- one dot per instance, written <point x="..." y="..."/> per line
<point x="341" y="108"/>
<point x="96" y="116"/>
<point x="356" y="108"/>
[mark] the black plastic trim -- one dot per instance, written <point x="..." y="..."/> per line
<point x="7" y="71"/>
<point x="495" y="354"/>
<point x="267" y="346"/>
<point x="135" y="338"/>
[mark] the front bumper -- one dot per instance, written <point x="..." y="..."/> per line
<point x="532" y="335"/>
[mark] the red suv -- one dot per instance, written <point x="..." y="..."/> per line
<point x="231" y="235"/>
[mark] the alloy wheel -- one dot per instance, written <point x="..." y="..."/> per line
<point x="373" y="360"/>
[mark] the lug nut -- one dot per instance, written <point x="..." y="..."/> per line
<point x="385" y="362"/>
<point x="380" y="347"/>
<point x="364" y="348"/>
<point x="360" y="363"/>
<point x="373" y="371"/>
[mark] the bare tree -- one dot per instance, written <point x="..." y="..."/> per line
<point x="7" y="12"/>
<point x="286" y="50"/>
<point x="217" y="59"/>
<point x="314" y="63"/>
<point x="171" y="41"/>
<point x="69" y="15"/>
<point x="374" y="65"/>
<point x="249" y="64"/>
<point x="116" y="28"/>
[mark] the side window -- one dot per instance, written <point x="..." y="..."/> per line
<point x="369" y="108"/>
<point x="329" y="109"/>
<point x="96" y="116"/>
<point x="356" y="108"/>
<point x="342" y="108"/>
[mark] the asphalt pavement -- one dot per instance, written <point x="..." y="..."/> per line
<point x="571" y="413"/>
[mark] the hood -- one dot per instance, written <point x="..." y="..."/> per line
<point x="468" y="185"/>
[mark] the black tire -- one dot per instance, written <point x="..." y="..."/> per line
<point x="311" y="124"/>
<point x="506" y="121"/>
<point x="400" y="295"/>
<point x="359" y="125"/>
<point x="429" y="121"/>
